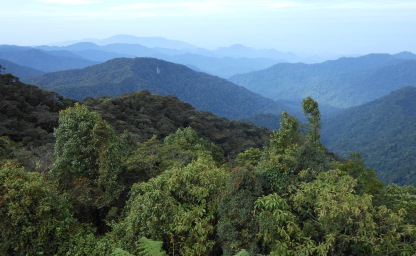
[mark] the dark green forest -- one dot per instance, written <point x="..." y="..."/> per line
<point x="117" y="185"/>
<point x="382" y="131"/>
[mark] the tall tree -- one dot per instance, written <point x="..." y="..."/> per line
<point x="313" y="115"/>
<point x="178" y="207"/>
<point x="34" y="218"/>
<point x="236" y="226"/>
<point x="87" y="162"/>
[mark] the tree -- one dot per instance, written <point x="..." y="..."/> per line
<point x="250" y="156"/>
<point x="152" y="157"/>
<point x="327" y="216"/>
<point x="236" y="226"/>
<point x="313" y="115"/>
<point x="34" y="218"/>
<point x="1" y="69"/>
<point x="293" y="150"/>
<point x="187" y="139"/>
<point x="87" y="162"/>
<point x="400" y="199"/>
<point x="178" y="207"/>
<point x="367" y="181"/>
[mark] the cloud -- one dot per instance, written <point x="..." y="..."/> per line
<point x="69" y="2"/>
<point x="248" y="5"/>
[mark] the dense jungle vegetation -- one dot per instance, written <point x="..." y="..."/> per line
<point x="105" y="192"/>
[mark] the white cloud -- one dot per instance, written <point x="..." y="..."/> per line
<point x="250" y="5"/>
<point x="68" y="2"/>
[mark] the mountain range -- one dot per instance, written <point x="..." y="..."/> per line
<point x="129" y="39"/>
<point x="223" y="65"/>
<point x="42" y="61"/>
<point x="366" y="102"/>
<point x="223" y="62"/>
<point x="125" y="75"/>
<point x="340" y="83"/>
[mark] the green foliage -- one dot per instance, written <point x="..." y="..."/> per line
<point x="287" y="137"/>
<point x="145" y="115"/>
<point x="28" y="114"/>
<point x="87" y="161"/>
<point x="85" y="243"/>
<point x="278" y="162"/>
<point x="292" y="151"/>
<point x="150" y="247"/>
<point x="242" y="253"/>
<point x="149" y="159"/>
<point x="399" y="199"/>
<point x="350" y="222"/>
<point x="279" y="229"/>
<point x="250" y="156"/>
<point x="366" y="179"/>
<point x="311" y="110"/>
<point x="291" y="198"/>
<point x="236" y="227"/>
<point x="326" y="216"/>
<point x="178" y="207"/>
<point x="187" y="139"/>
<point x="8" y="149"/>
<point x="152" y="157"/>
<point x="34" y="218"/>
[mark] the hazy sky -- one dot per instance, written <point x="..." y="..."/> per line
<point x="307" y="26"/>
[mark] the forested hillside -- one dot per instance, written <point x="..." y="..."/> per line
<point x="118" y="76"/>
<point x="340" y="83"/>
<point x="29" y="116"/>
<point x="145" y="115"/>
<point x="27" y="113"/>
<point x="111" y="194"/>
<point x="383" y="132"/>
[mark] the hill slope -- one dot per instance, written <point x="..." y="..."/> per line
<point x="123" y="75"/>
<point x="41" y="60"/>
<point x="145" y="115"/>
<point x="341" y="83"/>
<point x="383" y="131"/>
<point x="29" y="115"/>
<point x="18" y="70"/>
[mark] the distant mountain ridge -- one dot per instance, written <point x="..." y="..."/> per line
<point x="125" y="75"/>
<point x="130" y="39"/>
<point x="17" y="70"/>
<point x="223" y="62"/>
<point x="42" y="61"/>
<point x="342" y="83"/>
<point x="383" y="131"/>
<point x="222" y="65"/>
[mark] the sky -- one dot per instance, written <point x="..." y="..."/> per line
<point x="299" y="26"/>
